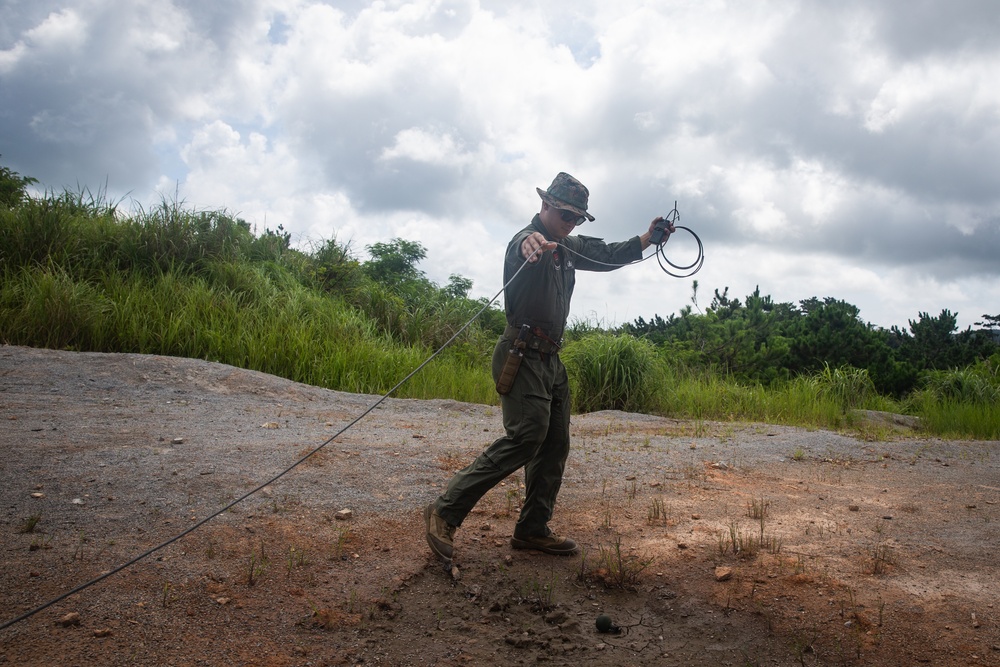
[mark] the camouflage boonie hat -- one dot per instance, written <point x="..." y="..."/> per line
<point x="567" y="193"/>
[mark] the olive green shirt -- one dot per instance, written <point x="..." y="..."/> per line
<point x="541" y="293"/>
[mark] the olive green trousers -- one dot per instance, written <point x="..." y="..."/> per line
<point x="536" y="420"/>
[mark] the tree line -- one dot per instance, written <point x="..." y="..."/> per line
<point x="760" y="340"/>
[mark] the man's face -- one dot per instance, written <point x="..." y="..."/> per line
<point x="553" y="220"/>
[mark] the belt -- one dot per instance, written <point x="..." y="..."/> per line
<point x="538" y="340"/>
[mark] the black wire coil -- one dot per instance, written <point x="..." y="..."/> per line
<point x="683" y="270"/>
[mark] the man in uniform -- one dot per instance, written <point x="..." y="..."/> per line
<point x="536" y="406"/>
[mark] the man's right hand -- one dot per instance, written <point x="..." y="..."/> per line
<point x="534" y="245"/>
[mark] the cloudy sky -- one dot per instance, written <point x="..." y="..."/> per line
<point x="842" y="149"/>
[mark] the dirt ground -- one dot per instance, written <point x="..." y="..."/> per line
<point x="705" y="543"/>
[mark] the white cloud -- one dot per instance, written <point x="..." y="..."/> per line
<point x="60" y="30"/>
<point x="955" y="87"/>
<point x="428" y="147"/>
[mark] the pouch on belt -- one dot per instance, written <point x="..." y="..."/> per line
<point x="513" y="361"/>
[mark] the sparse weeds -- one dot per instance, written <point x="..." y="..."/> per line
<point x="615" y="568"/>
<point x="745" y="544"/>
<point x="40" y="542"/>
<point x="513" y="500"/>
<point x="758" y="509"/>
<point x="28" y="525"/>
<point x="872" y="432"/>
<point x="81" y="542"/>
<point x="538" y="594"/>
<point x="606" y="521"/>
<point x="659" y="513"/>
<point x="856" y="625"/>
<point x="296" y="558"/>
<point x="167" y="596"/>
<point x="694" y="472"/>
<point x="880" y="554"/>
<point x="343" y="537"/>
<point x="330" y="619"/>
<point x="802" y="645"/>
<point x="256" y="565"/>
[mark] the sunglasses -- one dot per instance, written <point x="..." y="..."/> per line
<point x="572" y="216"/>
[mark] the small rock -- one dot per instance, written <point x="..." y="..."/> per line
<point x="853" y="508"/>
<point x="486" y="527"/>
<point x="344" y="515"/>
<point x="177" y="441"/>
<point x="222" y="600"/>
<point x="557" y="617"/>
<point x="37" y="495"/>
<point x="720" y="466"/>
<point x="975" y="621"/>
<point x="696" y="517"/>
<point x="682" y="545"/>
<point x="69" y="619"/>
<point x="629" y="478"/>
<point x="723" y="573"/>
<point x="77" y="501"/>
<point x="271" y="425"/>
<point x="571" y="626"/>
<point x="102" y="632"/>
<point x="456" y="574"/>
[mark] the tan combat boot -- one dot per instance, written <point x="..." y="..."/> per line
<point x="550" y="544"/>
<point x="440" y="534"/>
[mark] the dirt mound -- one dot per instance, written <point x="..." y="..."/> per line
<point x="706" y="543"/>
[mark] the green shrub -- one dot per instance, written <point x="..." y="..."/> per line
<point x="977" y="384"/>
<point x="612" y="372"/>
<point x="846" y="386"/>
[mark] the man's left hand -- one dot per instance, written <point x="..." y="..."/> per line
<point x="667" y="231"/>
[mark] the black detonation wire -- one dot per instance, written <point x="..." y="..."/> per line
<point x="281" y="474"/>
<point x="660" y="252"/>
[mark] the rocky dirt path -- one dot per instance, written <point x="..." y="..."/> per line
<point x="706" y="543"/>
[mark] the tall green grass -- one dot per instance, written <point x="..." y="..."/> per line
<point x="295" y="333"/>
<point x="685" y="392"/>
<point x="625" y="373"/>
<point x="611" y="372"/>
<point x="963" y="402"/>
